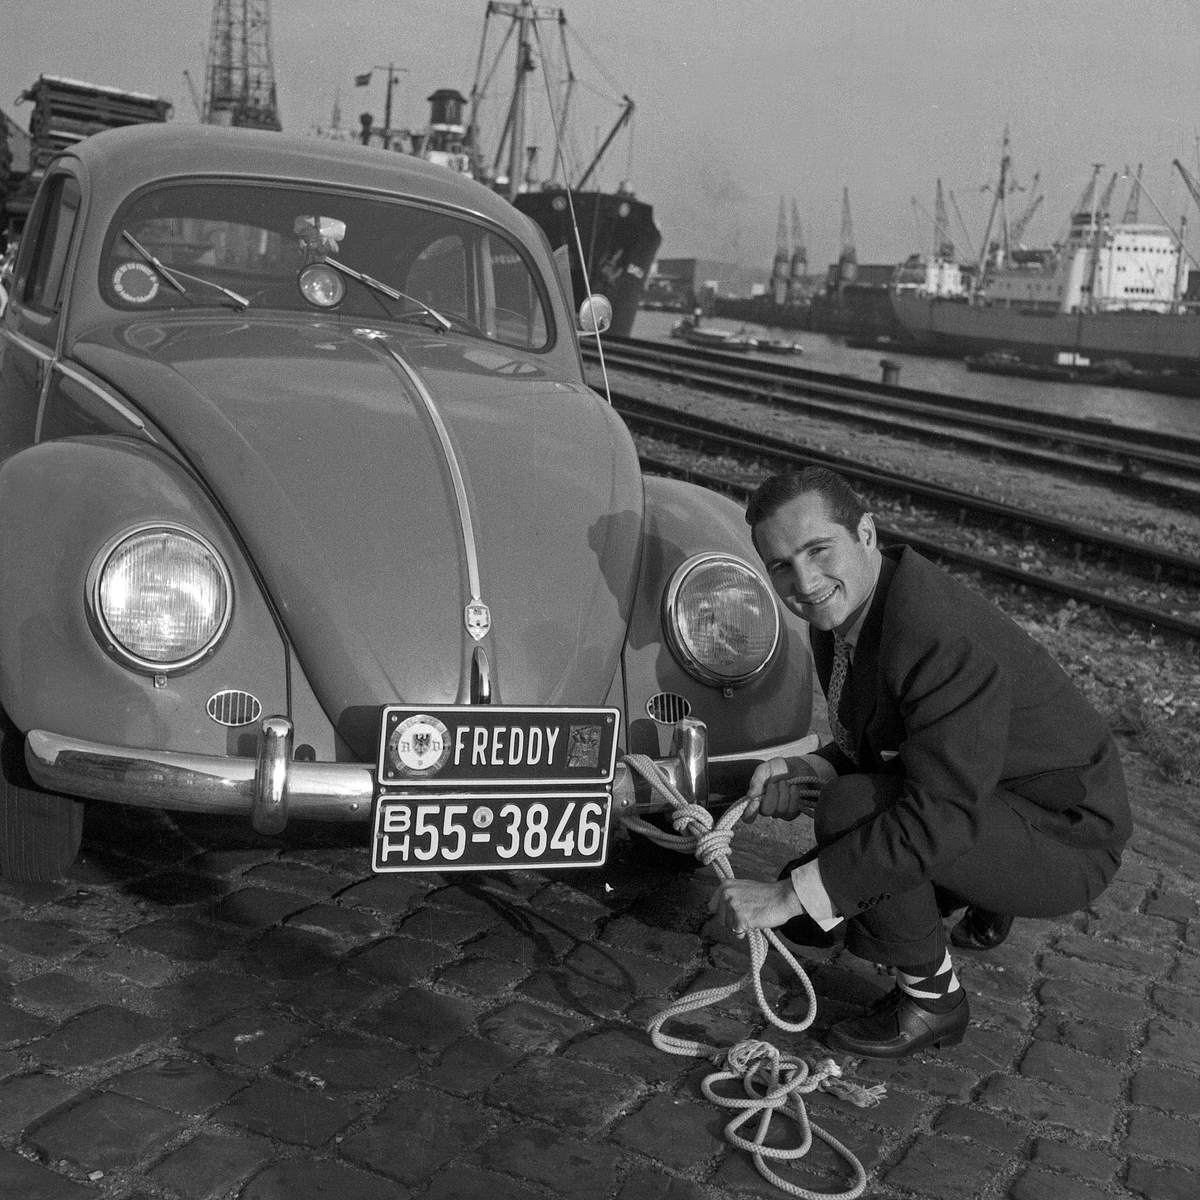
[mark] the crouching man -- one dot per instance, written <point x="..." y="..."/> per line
<point x="966" y="770"/>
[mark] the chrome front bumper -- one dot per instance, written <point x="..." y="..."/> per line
<point x="273" y="787"/>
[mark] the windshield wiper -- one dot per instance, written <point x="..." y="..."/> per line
<point x="385" y="290"/>
<point x="172" y="275"/>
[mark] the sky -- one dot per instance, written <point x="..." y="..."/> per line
<point x="740" y="104"/>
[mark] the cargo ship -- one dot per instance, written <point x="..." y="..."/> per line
<point x="1111" y="295"/>
<point x="609" y="238"/>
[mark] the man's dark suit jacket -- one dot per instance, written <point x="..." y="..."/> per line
<point x="950" y="694"/>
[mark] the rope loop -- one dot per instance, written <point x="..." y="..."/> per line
<point x="773" y="1083"/>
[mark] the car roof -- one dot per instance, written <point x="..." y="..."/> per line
<point x="133" y="155"/>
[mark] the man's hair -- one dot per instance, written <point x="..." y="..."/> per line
<point x="843" y="504"/>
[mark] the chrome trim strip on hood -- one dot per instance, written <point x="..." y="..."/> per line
<point x="466" y="525"/>
<point x="101" y="393"/>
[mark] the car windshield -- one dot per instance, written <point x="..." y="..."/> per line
<point x="245" y="246"/>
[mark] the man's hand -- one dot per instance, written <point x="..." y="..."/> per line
<point x="745" y="904"/>
<point x="782" y="787"/>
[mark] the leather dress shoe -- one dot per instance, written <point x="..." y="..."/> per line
<point x="896" y="1025"/>
<point x="979" y="929"/>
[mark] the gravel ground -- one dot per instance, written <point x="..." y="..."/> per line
<point x="1147" y="686"/>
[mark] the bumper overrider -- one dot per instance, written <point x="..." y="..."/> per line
<point x="273" y="787"/>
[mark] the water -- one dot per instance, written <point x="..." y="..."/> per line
<point x="1118" y="406"/>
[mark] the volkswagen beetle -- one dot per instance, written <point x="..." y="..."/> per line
<point x="307" y="511"/>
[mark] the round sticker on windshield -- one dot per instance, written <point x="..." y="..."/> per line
<point x="135" y="283"/>
<point x="419" y="746"/>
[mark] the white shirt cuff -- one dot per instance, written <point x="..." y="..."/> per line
<point x="810" y="891"/>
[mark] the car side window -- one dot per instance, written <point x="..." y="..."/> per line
<point x="520" y="319"/>
<point x="439" y="275"/>
<point x="40" y="277"/>
<point x="484" y="279"/>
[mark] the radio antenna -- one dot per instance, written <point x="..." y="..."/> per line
<point x="556" y="122"/>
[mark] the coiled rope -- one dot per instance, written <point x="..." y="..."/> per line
<point x="773" y="1082"/>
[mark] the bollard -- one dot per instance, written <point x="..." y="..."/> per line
<point x="891" y="370"/>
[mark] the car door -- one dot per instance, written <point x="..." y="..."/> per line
<point x="32" y="319"/>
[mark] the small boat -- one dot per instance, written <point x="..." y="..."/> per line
<point x="1001" y="362"/>
<point x="713" y="339"/>
<point x="778" y="346"/>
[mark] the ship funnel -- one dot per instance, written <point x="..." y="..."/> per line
<point x="446" y="108"/>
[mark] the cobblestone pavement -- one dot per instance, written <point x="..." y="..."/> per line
<point x="202" y="1013"/>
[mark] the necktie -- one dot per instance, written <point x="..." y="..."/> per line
<point x="837" y="681"/>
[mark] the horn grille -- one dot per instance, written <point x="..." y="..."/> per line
<point x="668" y="707"/>
<point x="232" y="707"/>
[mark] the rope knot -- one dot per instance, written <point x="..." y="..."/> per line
<point x="688" y="818"/>
<point x="712" y="845"/>
<point x="746" y="1055"/>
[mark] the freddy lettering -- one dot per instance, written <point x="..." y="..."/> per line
<point x="504" y="745"/>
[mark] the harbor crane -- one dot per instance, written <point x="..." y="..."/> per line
<point x="779" y="265"/>
<point x="848" y="257"/>
<point x="239" y="77"/>
<point x="798" y="268"/>
<point x="943" y="242"/>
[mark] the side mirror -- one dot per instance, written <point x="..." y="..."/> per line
<point x="595" y="315"/>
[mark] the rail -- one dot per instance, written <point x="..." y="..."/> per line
<point x="1146" y="460"/>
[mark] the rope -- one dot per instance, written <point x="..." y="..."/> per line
<point x="772" y="1082"/>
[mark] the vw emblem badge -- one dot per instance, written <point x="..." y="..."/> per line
<point x="479" y="619"/>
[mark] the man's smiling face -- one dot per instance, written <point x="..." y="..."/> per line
<point x="822" y="571"/>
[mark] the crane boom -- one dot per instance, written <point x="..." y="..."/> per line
<point x="1192" y="185"/>
<point x="1135" y="195"/>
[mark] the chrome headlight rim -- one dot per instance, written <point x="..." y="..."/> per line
<point x="672" y="627"/>
<point x="100" y="624"/>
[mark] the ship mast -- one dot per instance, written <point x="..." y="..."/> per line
<point x="239" y="77"/>
<point x="943" y="244"/>
<point x="998" y="206"/>
<point x="511" y="159"/>
<point x="523" y="15"/>
<point x="516" y="165"/>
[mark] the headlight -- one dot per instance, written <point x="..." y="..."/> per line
<point x="720" y="619"/>
<point x="161" y="597"/>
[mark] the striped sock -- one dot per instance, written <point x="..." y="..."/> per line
<point x="933" y="985"/>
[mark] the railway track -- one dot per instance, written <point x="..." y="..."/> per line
<point x="1153" y="587"/>
<point x="1148" y="462"/>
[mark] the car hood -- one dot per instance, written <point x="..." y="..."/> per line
<point x="317" y="443"/>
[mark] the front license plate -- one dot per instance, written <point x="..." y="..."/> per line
<point x="489" y="746"/>
<point x="464" y="832"/>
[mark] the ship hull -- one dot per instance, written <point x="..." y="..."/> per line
<point x="1145" y="340"/>
<point x="619" y="239"/>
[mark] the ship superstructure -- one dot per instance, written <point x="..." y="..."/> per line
<point x="1101" y="266"/>
<point x="1110" y="291"/>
